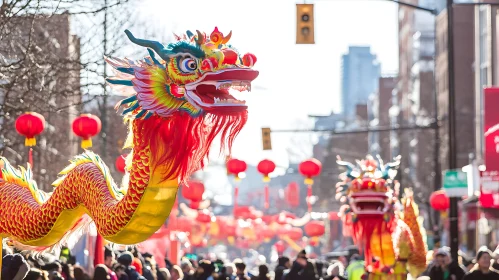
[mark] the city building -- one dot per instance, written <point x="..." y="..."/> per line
<point x="360" y="74"/>
<point x="379" y="107"/>
<point x="47" y="81"/>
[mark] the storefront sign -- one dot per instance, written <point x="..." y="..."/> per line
<point x="489" y="196"/>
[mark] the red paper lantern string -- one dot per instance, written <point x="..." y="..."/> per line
<point x="265" y="167"/>
<point x="310" y="168"/>
<point x="234" y="167"/>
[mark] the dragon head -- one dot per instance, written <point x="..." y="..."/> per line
<point x="193" y="75"/>
<point x="368" y="186"/>
<point x="179" y="100"/>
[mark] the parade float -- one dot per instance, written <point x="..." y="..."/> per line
<point x="389" y="232"/>
<point x="178" y="101"/>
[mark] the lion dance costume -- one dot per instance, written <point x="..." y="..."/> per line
<point x="389" y="233"/>
<point x="178" y="102"/>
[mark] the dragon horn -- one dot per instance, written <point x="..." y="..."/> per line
<point x="155" y="45"/>
<point x="200" y="39"/>
<point x="227" y="38"/>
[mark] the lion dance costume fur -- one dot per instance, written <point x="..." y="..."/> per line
<point x="178" y="102"/>
<point x="389" y="233"/>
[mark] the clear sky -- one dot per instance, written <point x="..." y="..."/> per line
<point x="295" y="80"/>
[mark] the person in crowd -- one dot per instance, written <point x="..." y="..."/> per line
<point x="177" y="273"/>
<point x="335" y="271"/>
<point x="109" y="257"/>
<point x="55" y="275"/>
<point x="14" y="267"/>
<point x="79" y="273"/>
<point x="355" y="269"/>
<point x="126" y="259"/>
<point x="36" y="274"/>
<point x="240" y="270"/>
<point x="101" y="272"/>
<point x="163" y="274"/>
<point x="187" y="269"/>
<point x="283" y="263"/>
<point x="205" y="270"/>
<point x="263" y="273"/>
<point x="483" y="268"/>
<point x="298" y="269"/>
<point x="443" y="268"/>
<point x="120" y="271"/>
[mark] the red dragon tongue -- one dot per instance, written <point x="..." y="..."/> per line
<point x="210" y="94"/>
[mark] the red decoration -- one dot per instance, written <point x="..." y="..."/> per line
<point x="265" y="167"/>
<point x="267" y="233"/>
<point x="120" y="163"/>
<point x="333" y="216"/>
<point x="86" y="126"/>
<point x="295" y="234"/>
<point x="310" y="168"/>
<point x="489" y="178"/>
<point x="183" y="224"/>
<point x="193" y="191"/>
<point x="194" y="205"/>
<point x="315" y="228"/>
<point x="235" y="166"/>
<point x="203" y="217"/>
<point x="293" y="194"/>
<point x="280" y="247"/>
<point x="439" y="200"/>
<point x="30" y="125"/>
<point x="268" y="219"/>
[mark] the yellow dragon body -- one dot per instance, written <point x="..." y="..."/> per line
<point x="180" y="103"/>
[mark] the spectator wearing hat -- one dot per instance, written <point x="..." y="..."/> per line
<point x="443" y="267"/>
<point x="482" y="269"/>
<point x="126" y="259"/>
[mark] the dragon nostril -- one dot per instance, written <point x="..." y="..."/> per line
<point x="209" y="64"/>
<point x="230" y="56"/>
<point x="249" y="59"/>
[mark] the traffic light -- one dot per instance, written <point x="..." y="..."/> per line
<point x="305" y="24"/>
<point x="267" y="143"/>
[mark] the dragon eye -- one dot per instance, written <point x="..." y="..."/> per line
<point x="187" y="64"/>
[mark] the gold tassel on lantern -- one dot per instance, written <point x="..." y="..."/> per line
<point x="266" y="179"/>
<point x="309" y="181"/>
<point x="86" y="143"/>
<point x="30" y="142"/>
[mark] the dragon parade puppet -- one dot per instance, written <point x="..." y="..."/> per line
<point x="177" y="102"/>
<point x="389" y="233"/>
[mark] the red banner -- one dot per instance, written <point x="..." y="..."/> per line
<point x="489" y="196"/>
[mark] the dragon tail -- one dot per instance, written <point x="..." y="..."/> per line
<point x="69" y="239"/>
<point x="417" y="259"/>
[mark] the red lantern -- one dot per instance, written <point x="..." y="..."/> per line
<point x="203" y="217"/>
<point x="193" y="191"/>
<point x="309" y="169"/>
<point x="439" y="200"/>
<point x="30" y="125"/>
<point x="268" y="219"/>
<point x="280" y="247"/>
<point x="293" y="194"/>
<point x="235" y="166"/>
<point x="120" y="163"/>
<point x="315" y="228"/>
<point x="86" y="126"/>
<point x="265" y="167"/>
<point x="230" y="230"/>
<point x="194" y="204"/>
<point x="295" y="234"/>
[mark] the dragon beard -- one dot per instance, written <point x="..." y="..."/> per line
<point x="367" y="228"/>
<point x="181" y="144"/>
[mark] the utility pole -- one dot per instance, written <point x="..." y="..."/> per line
<point x="453" y="211"/>
<point x="104" y="91"/>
